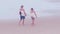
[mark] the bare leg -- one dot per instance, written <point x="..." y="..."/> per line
<point x="20" y="21"/>
<point x="23" y="21"/>
<point x="33" y="19"/>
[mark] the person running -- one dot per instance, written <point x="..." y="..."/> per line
<point x="22" y="14"/>
<point x="33" y="15"/>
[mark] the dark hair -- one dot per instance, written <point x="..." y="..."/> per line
<point x="31" y="8"/>
<point x="22" y="6"/>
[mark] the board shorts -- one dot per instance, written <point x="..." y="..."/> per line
<point x="22" y="17"/>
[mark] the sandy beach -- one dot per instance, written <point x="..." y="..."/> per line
<point x="43" y="25"/>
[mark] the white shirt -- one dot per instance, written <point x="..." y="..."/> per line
<point x="22" y="13"/>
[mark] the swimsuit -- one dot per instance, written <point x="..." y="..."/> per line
<point x="33" y="15"/>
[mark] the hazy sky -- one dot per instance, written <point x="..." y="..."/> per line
<point x="9" y="8"/>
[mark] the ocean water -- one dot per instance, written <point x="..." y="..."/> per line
<point x="10" y="9"/>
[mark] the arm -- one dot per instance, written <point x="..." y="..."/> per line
<point x="35" y="13"/>
<point x="24" y="12"/>
<point x="20" y="12"/>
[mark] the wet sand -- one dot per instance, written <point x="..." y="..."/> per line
<point x="43" y="25"/>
